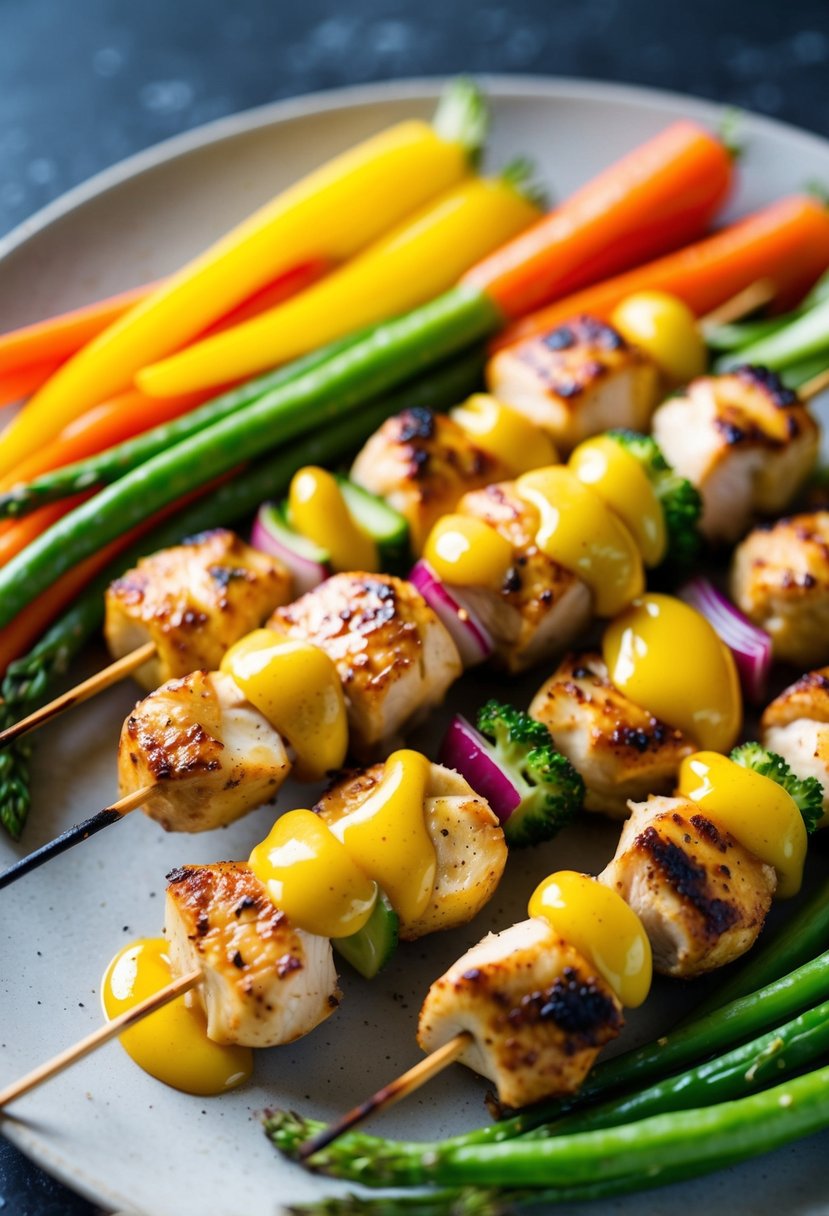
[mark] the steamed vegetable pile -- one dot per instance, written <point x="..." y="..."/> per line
<point x="371" y="286"/>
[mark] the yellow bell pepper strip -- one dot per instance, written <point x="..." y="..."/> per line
<point x="334" y="212"/>
<point x="421" y="258"/>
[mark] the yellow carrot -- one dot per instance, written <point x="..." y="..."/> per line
<point x="422" y="258"/>
<point x="334" y="213"/>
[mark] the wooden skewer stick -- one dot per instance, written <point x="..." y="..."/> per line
<point x="389" y="1094"/>
<point x="815" y="386"/>
<point x="110" y="1030"/>
<point x="110" y="675"/>
<point x="742" y="305"/>
<point x="74" y="835"/>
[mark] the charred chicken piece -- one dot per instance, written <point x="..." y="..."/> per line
<point x="541" y="607"/>
<point x="580" y="379"/>
<point x="744" y="440"/>
<point x="622" y="751"/>
<point x="395" y="658"/>
<point x="210" y="756"/>
<point x="780" y="580"/>
<point x="422" y="463"/>
<point x="264" y="981"/>
<point x="192" y="602"/>
<point x="700" y="895"/>
<point x="538" y="1013"/>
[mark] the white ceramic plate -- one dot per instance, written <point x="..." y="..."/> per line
<point x="105" y="1127"/>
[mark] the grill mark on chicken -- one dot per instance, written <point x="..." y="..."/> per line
<point x="689" y="880"/>
<point x="782" y="398"/>
<point x="175" y="756"/>
<point x="577" y="1005"/>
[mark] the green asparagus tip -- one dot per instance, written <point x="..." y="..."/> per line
<point x="521" y="175"/>
<point x="287" y="1130"/>
<point x="462" y="117"/>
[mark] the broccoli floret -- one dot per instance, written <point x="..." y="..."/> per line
<point x="807" y="792"/>
<point x="680" y="501"/>
<point x="551" y="790"/>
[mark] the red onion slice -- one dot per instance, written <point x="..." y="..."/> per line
<point x="466" y="750"/>
<point x="301" y="556"/>
<point x="751" y="647"/>
<point x="469" y="635"/>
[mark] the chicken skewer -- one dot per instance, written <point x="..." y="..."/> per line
<point x="256" y="938"/>
<point x="362" y="657"/>
<point x="422" y="463"/>
<point x="678" y="871"/>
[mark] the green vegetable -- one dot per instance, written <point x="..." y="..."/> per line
<point x="680" y="501"/>
<point x="371" y="1159"/>
<point x="745" y="1069"/>
<point x="661" y="1149"/>
<point x="107" y="466"/>
<point x="806" y="335"/>
<point x="807" y="792"/>
<point x="740" y="335"/>
<point x="31" y="678"/>
<point x="799" y="940"/>
<point x="388" y="528"/>
<point x="386" y="358"/>
<point x="369" y="950"/>
<point x="551" y="790"/>
<point x="290" y="538"/>
<point x="655" y="1151"/>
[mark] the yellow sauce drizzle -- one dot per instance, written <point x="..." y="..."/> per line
<point x="667" y="658"/>
<point x="319" y="511"/>
<point x="387" y="835"/>
<point x="597" y="922"/>
<point x="756" y="811"/>
<point x="580" y="532"/>
<point x="171" y="1044"/>
<point x="504" y="433"/>
<point x="467" y="552"/>
<point x="310" y="875"/>
<point x="619" y="479"/>
<point x="297" y="688"/>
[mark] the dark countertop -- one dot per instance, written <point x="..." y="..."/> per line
<point x="84" y="83"/>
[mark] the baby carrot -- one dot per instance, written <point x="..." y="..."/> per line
<point x="661" y="195"/>
<point x="787" y="242"/>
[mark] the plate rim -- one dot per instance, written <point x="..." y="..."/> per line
<point x="497" y="85"/>
<point x="501" y="85"/>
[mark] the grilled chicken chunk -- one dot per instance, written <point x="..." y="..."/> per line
<point x="265" y="982"/>
<point x="622" y="751"/>
<point x="193" y="602"/>
<point x="576" y="381"/>
<point x="210" y="756"/>
<point x="700" y="895"/>
<point x="395" y="658"/>
<point x="780" y="580"/>
<point x="422" y="463"/>
<point x="467" y="837"/>
<point x="744" y="441"/>
<point x="537" y="1011"/>
<point x="796" y="726"/>
<point x="541" y="607"/>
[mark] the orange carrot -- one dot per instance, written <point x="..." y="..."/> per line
<point x="16" y="534"/>
<point x="18" y="636"/>
<point x="28" y="356"/>
<point x="787" y="242"/>
<point x="19" y="382"/>
<point x="656" y="198"/>
<point x="99" y="428"/>
<point x="56" y="338"/>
